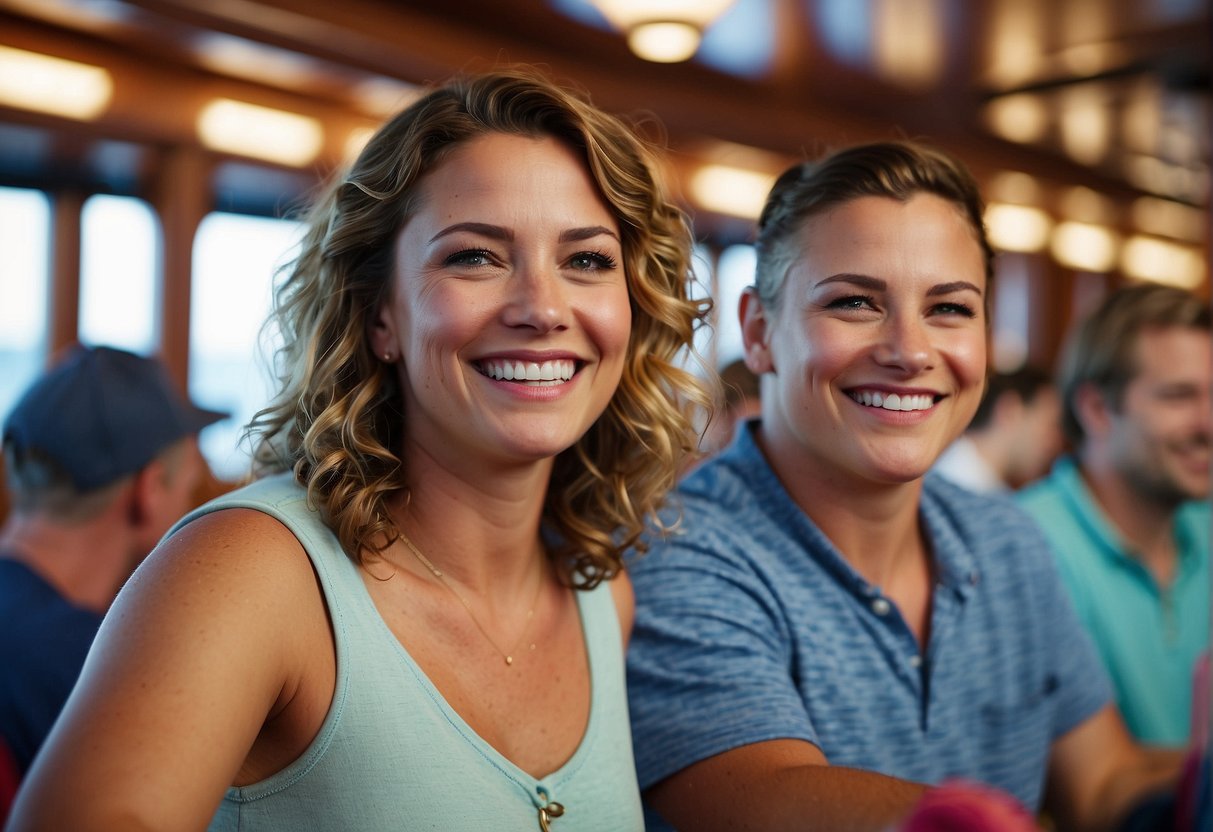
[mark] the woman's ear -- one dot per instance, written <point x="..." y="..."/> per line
<point x="754" y="332"/>
<point x="381" y="335"/>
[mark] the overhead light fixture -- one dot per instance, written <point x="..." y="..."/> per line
<point x="1085" y="205"/>
<point x="1163" y="261"/>
<point x="356" y="142"/>
<point x="32" y="81"/>
<point x="260" y="132"/>
<point x="1016" y="187"/>
<point x="1017" y="227"/>
<point x="665" y="31"/>
<point x="733" y="191"/>
<point x="1086" y="129"/>
<point x="241" y="58"/>
<point x="1022" y="117"/>
<point x="1085" y="246"/>
<point x="1166" y="218"/>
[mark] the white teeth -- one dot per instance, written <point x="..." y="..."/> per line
<point x="546" y="373"/>
<point x="894" y="401"/>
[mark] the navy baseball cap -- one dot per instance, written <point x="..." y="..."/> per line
<point x="101" y="414"/>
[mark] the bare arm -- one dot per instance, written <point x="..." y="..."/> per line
<point x="1097" y="773"/>
<point x="198" y="651"/>
<point x="781" y="785"/>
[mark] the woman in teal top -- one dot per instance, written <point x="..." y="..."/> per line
<point x="416" y="618"/>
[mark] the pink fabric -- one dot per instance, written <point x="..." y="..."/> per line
<point x="1191" y="791"/>
<point x="9" y="780"/>
<point x="963" y="806"/>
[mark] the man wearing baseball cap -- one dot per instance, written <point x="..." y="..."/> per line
<point x="101" y="457"/>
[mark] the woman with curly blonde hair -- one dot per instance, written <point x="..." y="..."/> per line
<point x="416" y="616"/>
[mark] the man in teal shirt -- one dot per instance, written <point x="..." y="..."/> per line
<point x="1127" y="514"/>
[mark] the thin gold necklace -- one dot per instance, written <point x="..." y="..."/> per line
<point x="437" y="573"/>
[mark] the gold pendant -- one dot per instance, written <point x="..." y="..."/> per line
<point x="549" y="813"/>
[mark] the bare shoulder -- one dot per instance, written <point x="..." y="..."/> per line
<point x="625" y="603"/>
<point x="246" y="541"/>
<point x="209" y="638"/>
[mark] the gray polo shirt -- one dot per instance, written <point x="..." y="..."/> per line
<point x="750" y="626"/>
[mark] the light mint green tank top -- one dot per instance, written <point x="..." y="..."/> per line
<point x="393" y="755"/>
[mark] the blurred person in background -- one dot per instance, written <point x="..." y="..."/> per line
<point x="1013" y="438"/>
<point x="1127" y="514"/>
<point x="101" y="458"/>
<point x="739" y="388"/>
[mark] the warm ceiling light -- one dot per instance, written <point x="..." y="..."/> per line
<point x="1085" y="205"/>
<point x="1022" y="118"/>
<point x="733" y="191"/>
<point x="243" y="58"/>
<point x="1015" y="33"/>
<point x="30" y="81"/>
<point x="908" y="42"/>
<point x="666" y="31"/>
<point x="356" y="142"/>
<point x="1084" y="246"/>
<point x="385" y="97"/>
<point x="1017" y="227"/>
<point x="1086" y="129"/>
<point x="260" y="132"/>
<point x="664" y="42"/>
<point x="1015" y="186"/>
<point x="1166" y="218"/>
<point x="1161" y="261"/>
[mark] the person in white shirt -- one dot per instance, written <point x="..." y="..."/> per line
<point x="1013" y="438"/>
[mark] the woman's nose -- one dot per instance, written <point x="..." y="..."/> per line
<point x="537" y="300"/>
<point x="905" y="344"/>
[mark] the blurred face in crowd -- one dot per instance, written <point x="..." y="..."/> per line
<point x="174" y="476"/>
<point x="878" y="344"/>
<point x="1158" y="435"/>
<point x="1038" y="437"/>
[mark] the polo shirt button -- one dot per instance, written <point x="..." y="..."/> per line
<point x="915" y="660"/>
<point x="880" y="606"/>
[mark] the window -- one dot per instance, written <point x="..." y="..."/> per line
<point x="25" y="220"/>
<point x="235" y="262"/>
<point x="119" y="293"/>
<point x="734" y="273"/>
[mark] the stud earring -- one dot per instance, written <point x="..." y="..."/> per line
<point x="387" y="356"/>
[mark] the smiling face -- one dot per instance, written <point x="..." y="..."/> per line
<point x="1159" y="436"/>
<point x="509" y="312"/>
<point x="877" y="347"/>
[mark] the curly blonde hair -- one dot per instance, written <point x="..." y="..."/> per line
<point x="338" y="419"/>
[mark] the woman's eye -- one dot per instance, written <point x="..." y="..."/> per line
<point x="469" y="257"/>
<point x="591" y="261"/>
<point x="851" y="302"/>
<point x="961" y="309"/>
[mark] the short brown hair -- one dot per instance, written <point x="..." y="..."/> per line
<point x="897" y="170"/>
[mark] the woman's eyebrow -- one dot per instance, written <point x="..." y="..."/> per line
<point x="862" y="281"/>
<point x="954" y="286"/>
<point x="575" y="234"/>
<point x="485" y="229"/>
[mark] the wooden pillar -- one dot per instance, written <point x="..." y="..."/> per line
<point x="64" y="288"/>
<point x="182" y="197"/>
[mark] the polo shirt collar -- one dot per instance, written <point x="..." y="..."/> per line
<point x="1091" y="515"/>
<point x="954" y="562"/>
